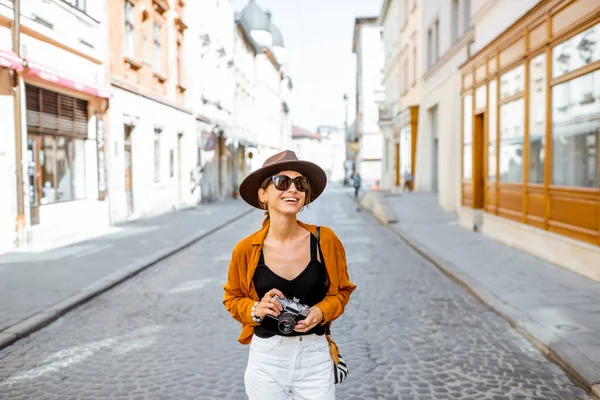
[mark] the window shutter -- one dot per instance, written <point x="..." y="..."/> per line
<point x="54" y="113"/>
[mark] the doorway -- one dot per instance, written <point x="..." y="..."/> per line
<point x="35" y="161"/>
<point x="128" y="158"/>
<point x="433" y="113"/>
<point x="478" y="162"/>
<point x="180" y="168"/>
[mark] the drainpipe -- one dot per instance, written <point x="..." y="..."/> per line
<point x="23" y="222"/>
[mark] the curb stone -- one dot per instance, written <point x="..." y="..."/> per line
<point x="575" y="363"/>
<point x="37" y="321"/>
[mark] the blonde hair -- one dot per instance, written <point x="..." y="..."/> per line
<point x="265" y="206"/>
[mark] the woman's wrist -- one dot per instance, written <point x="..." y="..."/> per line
<point x="254" y="317"/>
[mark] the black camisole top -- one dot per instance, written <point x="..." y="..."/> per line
<point x="310" y="287"/>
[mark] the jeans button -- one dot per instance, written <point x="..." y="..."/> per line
<point x="300" y="338"/>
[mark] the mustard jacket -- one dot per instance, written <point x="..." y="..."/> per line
<point x="240" y="293"/>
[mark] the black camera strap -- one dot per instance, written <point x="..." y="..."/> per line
<point x="328" y="326"/>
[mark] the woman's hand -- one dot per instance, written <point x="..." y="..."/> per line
<point x="269" y="305"/>
<point x="315" y="315"/>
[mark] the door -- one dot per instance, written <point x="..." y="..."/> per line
<point x="180" y="168"/>
<point x="35" y="159"/>
<point x="128" y="169"/>
<point x="478" y="181"/>
<point x="434" y="148"/>
<point x="397" y="163"/>
<point x="434" y="166"/>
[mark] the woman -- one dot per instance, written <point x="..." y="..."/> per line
<point x="284" y="260"/>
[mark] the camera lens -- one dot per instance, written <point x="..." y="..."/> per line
<point x="286" y="324"/>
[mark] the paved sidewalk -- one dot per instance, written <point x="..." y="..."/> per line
<point x="555" y="308"/>
<point x="36" y="288"/>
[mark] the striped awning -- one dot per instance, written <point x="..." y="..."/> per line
<point x="8" y="59"/>
<point x="65" y="80"/>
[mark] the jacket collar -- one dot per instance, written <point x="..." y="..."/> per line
<point x="259" y="238"/>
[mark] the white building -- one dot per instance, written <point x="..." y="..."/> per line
<point x="152" y="134"/>
<point x="212" y="53"/>
<point x="389" y="111"/>
<point x="369" y="80"/>
<point x="272" y="87"/>
<point x="449" y="34"/>
<point x="64" y="98"/>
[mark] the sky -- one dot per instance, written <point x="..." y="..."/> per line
<point x="318" y="35"/>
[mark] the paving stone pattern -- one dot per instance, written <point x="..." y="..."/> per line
<point x="409" y="333"/>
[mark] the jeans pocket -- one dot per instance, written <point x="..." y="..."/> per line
<point x="321" y="343"/>
<point x="265" y="345"/>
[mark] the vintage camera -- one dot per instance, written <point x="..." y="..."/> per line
<point x="292" y="312"/>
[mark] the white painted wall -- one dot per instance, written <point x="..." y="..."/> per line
<point x="441" y="89"/>
<point x="8" y="177"/>
<point x="492" y="17"/>
<point x="149" y="198"/>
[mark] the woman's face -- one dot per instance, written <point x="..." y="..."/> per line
<point x="289" y="201"/>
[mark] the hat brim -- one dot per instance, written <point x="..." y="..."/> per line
<point x="315" y="174"/>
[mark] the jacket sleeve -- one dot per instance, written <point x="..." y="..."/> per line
<point x="238" y="303"/>
<point x="334" y="303"/>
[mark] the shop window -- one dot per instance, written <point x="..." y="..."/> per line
<point x="512" y="82"/>
<point x="575" y="126"/>
<point x="512" y="134"/>
<point x="129" y="38"/>
<point x="157" y="133"/>
<point x="492" y="121"/>
<point x="468" y="137"/>
<point x="574" y="53"/>
<point x="537" y="118"/>
<point x="480" y="99"/>
<point x="62" y="161"/>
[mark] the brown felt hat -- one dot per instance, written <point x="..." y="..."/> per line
<point x="284" y="161"/>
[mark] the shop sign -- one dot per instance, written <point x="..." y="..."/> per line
<point x="100" y="140"/>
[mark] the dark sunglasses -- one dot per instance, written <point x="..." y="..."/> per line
<point x="283" y="183"/>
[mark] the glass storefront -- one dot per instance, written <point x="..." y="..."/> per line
<point x="575" y="126"/>
<point x="62" y="161"/>
<point x="468" y="137"/>
<point x="537" y="118"/>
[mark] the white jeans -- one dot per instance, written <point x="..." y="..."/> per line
<point x="290" y="368"/>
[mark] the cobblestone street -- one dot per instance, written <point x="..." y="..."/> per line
<point x="408" y="333"/>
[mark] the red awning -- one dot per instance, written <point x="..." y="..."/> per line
<point x="62" y="79"/>
<point x="10" y="60"/>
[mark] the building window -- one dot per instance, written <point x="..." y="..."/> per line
<point x="468" y="137"/>
<point x="405" y="81"/>
<point x="512" y="82"/>
<point x="436" y="41"/>
<point x="129" y="39"/>
<point x="62" y="162"/>
<point x="575" y="126"/>
<point x="157" y="133"/>
<point x="576" y="52"/>
<point x="512" y="135"/>
<point x="171" y="163"/>
<point x="180" y="68"/>
<point x="429" y="48"/>
<point x="492" y="120"/>
<point x="78" y="4"/>
<point x="414" y="66"/>
<point x="157" y="48"/>
<point x="467" y="15"/>
<point x="537" y="118"/>
<point x="454" y="21"/>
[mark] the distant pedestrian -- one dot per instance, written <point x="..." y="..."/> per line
<point x="286" y="306"/>
<point x="356" y="182"/>
<point x="408" y="179"/>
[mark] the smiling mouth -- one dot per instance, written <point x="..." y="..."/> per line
<point x="290" y="200"/>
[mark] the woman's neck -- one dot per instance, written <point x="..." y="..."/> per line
<point x="283" y="227"/>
